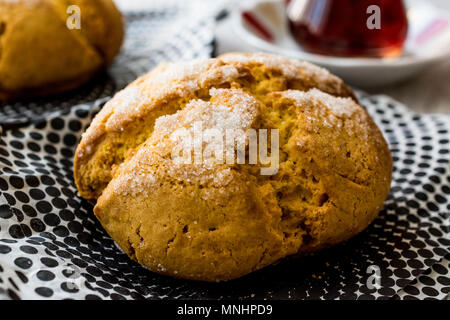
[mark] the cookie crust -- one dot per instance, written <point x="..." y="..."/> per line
<point x="214" y="221"/>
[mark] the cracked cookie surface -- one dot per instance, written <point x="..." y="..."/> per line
<point x="214" y="221"/>
<point x="127" y="120"/>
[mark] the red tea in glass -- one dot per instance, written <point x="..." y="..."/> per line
<point x="349" y="27"/>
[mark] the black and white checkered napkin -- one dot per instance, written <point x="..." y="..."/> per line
<point x="52" y="247"/>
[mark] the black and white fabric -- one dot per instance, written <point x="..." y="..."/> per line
<point x="52" y="247"/>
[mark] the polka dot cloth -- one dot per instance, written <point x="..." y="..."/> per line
<point x="52" y="247"/>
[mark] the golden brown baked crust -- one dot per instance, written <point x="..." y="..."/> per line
<point x="127" y="119"/>
<point x="39" y="55"/>
<point x="213" y="221"/>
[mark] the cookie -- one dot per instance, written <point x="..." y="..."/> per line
<point x="127" y="120"/>
<point x="175" y="204"/>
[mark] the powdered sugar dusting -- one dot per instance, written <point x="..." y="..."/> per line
<point x="219" y="75"/>
<point x="228" y="109"/>
<point x="180" y="70"/>
<point x="134" y="183"/>
<point x="291" y="68"/>
<point x="341" y="107"/>
<point x="298" y="96"/>
<point x="127" y="99"/>
<point x="125" y="102"/>
<point x="171" y="79"/>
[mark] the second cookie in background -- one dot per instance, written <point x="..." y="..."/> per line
<point x="51" y="46"/>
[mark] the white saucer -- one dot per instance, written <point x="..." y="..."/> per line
<point x="428" y="43"/>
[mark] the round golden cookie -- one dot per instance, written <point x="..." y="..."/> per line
<point x="215" y="221"/>
<point x="127" y="120"/>
<point x="40" y="55"/>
